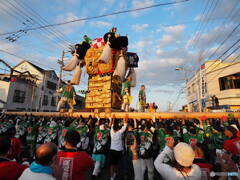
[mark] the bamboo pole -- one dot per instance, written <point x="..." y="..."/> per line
<point x="131" y="115"/>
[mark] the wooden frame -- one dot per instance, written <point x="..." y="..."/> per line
<point x="131" y="115"/>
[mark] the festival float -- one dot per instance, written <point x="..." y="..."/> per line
<point x="109" y="64"/>
<point x="111" y="71"/>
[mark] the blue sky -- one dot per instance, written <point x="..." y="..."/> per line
<point x="164" y="37"/>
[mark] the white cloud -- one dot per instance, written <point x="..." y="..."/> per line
<point x="71" y="27"/>
<point x="212" y="37"/>
<point x="223" y="8"/>
<point x="164" y="91"/>
<point x="159" y="70"/>
<point x="166" y="40"/>
<point x="100" y="24"/>
<point x="172" y="35"/>
<point x="70" y="1"/>
<point x="139" y="4"/>
<point x="175" y="30"/>
<point x="140" y="45"/>
<point x="106" y="5"/>
<point x="159" y="52"/>
<point x="139" y="27"/>
<point x="156" y="71"/>
<point x="110" y="2"/>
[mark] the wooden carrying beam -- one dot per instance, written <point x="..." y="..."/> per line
<point x="131" y="115"/>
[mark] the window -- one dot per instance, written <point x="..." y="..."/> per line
<point x="45" y="100"/>
<point x="51" y="85"/>
<point x="230" y="82"/>
<point x="189" y="90"/>
<point x="193" y="88"/>
<point x="203" y="87"/>
<point x="54" y="76"/>
<point x="206" y="87"/>
<point x="53" y="101"/>
<point x="19" y="96"/>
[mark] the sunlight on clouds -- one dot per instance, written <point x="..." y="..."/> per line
<point x="140" y="45"/>
<point x="71" y="27"/>
<point x="139" y="27"/>
<point x="101" y="24"/>
<point x="210" y="38"/>
<point x="175" y="30"/>
<point x="166" y="40"/>
<point x="139" y="4"/>
<point x="171" y="36"/>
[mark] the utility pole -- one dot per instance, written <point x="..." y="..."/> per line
<point x="60" y="75"/>
<point x="169" y="108"/>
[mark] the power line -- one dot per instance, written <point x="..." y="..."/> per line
<point x="12" y="54"/>
<point x="228" y="36"/>
<point x="229" y="49"/>
<point x="18" y="35"/>
<point x="225" y="59"/>
<point x="199" y="24"/>
<point x="35" y="62"/>
<point x="23" y="13"/>
<point x="99" y="16"/>
<point x="204" y="25"/>
<point x="31" y="11"/>
<point x="31" y="20"/>
<point x="191" y="22"/>
<point x="231" y="15"/>
<point x="26" y="20"/>
<point x="178" y="96"/>
<point x="232" y="62"/>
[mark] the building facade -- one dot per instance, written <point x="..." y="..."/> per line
<point x="38" y="96"/>
<point x="16" y="91"/>
<point x="218" y="78"/>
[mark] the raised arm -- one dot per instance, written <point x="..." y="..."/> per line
<point x="111" y="121"/>
<point x="125" y="122"/>
<point x="98" y="120"/>
<point x="90" y="119"/>
<point x="160" y="162"/>
<point x="135" y="123"/>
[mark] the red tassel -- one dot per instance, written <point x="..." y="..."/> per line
<point x="224" y="118"/>
<point x="238" y="134"/>
<point x="203" y="118"/>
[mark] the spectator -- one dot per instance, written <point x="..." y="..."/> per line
<point x="181" y="167"/>
<point x="136" y="162"/>
<point x="163" y="135"/>
<point x="201" y="160"/>
<point x="228" y="166"/>
<point x="116" y="149"/>
<point x="42" y="167"/>
<point x="142" y="99"/>
<point x="146" y="150"/>
<point x="68" y="94"/>
<point x="130" y="134"/>
<point x="100" y="147"/>
<point x="9" y="170"/>
<point x="16" y="145"/>
<point x="191" y="134"/>
<point x="155" y="107"/>
<point x="215" y="101"/>
<point x="143" y="140"/>
<point x="74" y="164"/>
<point x="232" y="144"/>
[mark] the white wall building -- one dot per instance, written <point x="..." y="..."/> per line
<point x="215" y="78"/>
<point x="35" y="92"/>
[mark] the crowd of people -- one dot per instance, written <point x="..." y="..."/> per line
<point x="93" y="148"/>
